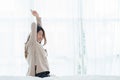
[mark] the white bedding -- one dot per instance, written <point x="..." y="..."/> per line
<point x="61" y="78"/>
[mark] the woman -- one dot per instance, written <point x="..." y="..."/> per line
<point x="34" y="52"/>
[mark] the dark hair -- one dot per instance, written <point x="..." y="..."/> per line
<point x="40" y="28"/>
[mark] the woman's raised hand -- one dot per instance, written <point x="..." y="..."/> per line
<point x="34" y="13"/>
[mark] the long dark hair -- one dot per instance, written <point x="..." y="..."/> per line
<point x="44" y="37"/>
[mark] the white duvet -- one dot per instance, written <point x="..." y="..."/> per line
<point x="61" y="78"/>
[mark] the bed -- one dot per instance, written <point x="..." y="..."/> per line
<point x="61" y="78"/>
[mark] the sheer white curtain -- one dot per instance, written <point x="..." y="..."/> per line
<point x="15" y="20"/>
<point x="82" y="35"/>
<point x="101" y="27"/>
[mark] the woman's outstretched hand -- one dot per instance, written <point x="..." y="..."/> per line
<point x="34" y="13"/>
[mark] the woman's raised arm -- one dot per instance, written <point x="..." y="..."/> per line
<point x="38" y="18"/>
